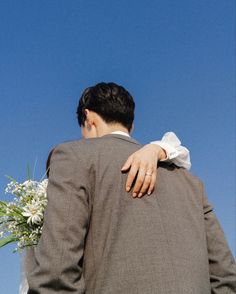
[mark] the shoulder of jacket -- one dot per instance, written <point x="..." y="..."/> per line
<point x="80" y="147"/>
<point x="180" y="171"/>
<point x="195" y="179"/>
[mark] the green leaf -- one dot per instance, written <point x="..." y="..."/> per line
<point x="7" y="240"/>
<point x="28" y="169"/>
<point x="11" y="178"/>
<point x="3" y="207"/>
<point x="4" y="203"/>
<point x="2" y="210"/>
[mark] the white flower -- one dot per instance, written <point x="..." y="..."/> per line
<point x="28" y="184"/>
<point x="30" y="201"/>
<point x="34" y="213"/>
<point x="11" y="187"/>
<point x="44" y="183"/>
<point x="42" y="187"/>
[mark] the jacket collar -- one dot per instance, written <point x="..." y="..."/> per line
<point x="122" y="137"/>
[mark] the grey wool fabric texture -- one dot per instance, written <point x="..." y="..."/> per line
<point x="97" y="239"/>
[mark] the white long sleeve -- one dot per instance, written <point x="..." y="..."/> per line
<point x="175" y="152"/>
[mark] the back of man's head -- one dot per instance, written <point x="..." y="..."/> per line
<point x="113" y="103"/>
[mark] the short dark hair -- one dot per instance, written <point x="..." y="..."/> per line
<point x="110" y="101"/>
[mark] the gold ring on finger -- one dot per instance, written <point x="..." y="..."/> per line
<point x="148" y="174"/>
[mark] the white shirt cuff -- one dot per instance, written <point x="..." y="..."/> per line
<point x="176" y="153"/>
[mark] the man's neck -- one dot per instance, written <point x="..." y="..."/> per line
<point x="108" y="129"/>
<point x="121" y="133"/>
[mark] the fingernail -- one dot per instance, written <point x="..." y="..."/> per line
<point x="134" y="194"/>
<point x="149" y="193"/>
<point x="127" y="189"/>
<point x="140" y="195"/>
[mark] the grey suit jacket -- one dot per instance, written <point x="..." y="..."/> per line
<point x="97" y="239"/>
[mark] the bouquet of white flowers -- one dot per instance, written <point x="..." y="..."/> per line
<point x="21" y="220"/>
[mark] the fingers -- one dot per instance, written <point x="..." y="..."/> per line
<point x="139" y="164"/>
<point x="131" y="176"/>
<point x="149" y="179"/>
<point x="145" y="179"/>
<point x="127" y="164"/>
<point x="139" y="180"/>
<point x="153" y="182"/>
<point x="145" y="186"/>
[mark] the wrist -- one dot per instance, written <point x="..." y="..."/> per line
<point x="160" y="152"/>
<point x="163" y="155"/>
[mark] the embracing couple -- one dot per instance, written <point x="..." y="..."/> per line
<point x="99" y="238"/>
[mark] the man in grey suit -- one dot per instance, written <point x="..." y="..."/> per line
<point x="97" y="239"/>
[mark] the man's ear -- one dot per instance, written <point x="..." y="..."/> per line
<point x="89" y="118"/>
<point x="90" y="125"/>
<point x="86" y="112"/>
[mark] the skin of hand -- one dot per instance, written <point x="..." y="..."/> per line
<point x="142" y="165"/>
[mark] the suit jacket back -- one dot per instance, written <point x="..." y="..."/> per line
<point x="156" y="244"/>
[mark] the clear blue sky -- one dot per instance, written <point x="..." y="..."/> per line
<point x="175" y="57"/>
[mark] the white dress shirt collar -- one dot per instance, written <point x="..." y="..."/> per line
<point x="121" y="133"/>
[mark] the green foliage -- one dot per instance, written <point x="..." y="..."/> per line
<point x="7" y="240"/>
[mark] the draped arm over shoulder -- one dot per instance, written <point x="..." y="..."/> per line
<point x="59" y="254"/>
<point x="222" y="267"/>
